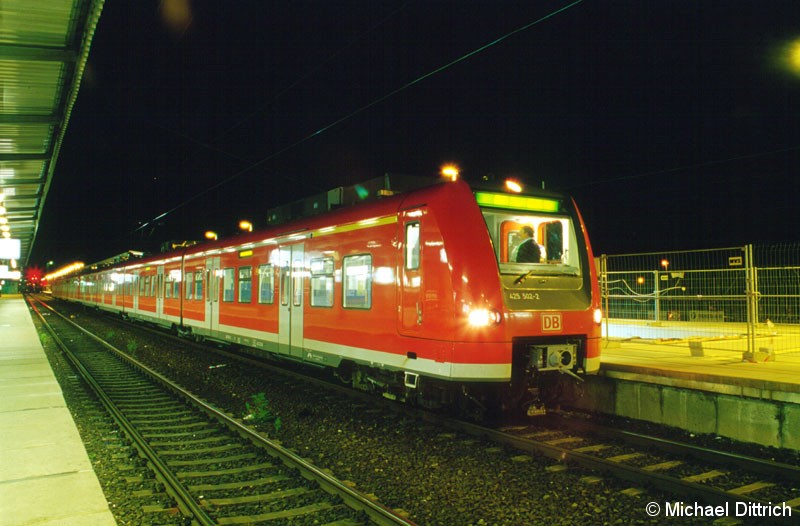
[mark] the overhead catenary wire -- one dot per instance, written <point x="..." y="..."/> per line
<point x="357" y="111"/>
<point x="289" y="87"/>
<point x="682" y="168"/>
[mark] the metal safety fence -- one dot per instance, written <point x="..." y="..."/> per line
<point x="739" y="298"/>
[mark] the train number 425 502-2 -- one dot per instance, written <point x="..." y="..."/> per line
<point x="523" y="295"/>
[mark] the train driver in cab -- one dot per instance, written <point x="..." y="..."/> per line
<point x="528" y="250"/>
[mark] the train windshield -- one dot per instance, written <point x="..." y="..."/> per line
<point x="528" y="243"/>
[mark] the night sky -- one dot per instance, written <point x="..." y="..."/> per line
<point x="673" y="123"/>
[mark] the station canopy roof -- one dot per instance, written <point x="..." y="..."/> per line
<point x="44" y="45"/>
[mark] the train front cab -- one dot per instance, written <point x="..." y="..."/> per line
<point x="552" y="304"/>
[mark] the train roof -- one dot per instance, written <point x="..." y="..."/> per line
<point x="346" y="196"/>
<point x="342" y="204"/>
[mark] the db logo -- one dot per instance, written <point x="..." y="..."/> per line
<point x="551" y="322"/>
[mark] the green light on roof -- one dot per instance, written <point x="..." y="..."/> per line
<point x="517" y="202"/>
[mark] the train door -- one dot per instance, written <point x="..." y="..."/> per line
<point x="137" y="280"/>
<point x="290" y="318"/>
<point x="159" y="277"/>
<point x="213" y="274"/>
<point x="411" y="297"/>
<point x="116" y="289"/>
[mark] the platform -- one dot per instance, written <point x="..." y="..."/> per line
<point x="703" y="385"/>
<point x="46" y="477"/>
<point x="719" y="364"/>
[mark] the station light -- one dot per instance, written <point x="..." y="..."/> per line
<point x="787" y="57"/>
<point x="245" y="225"/>
<point x="640" y="280"/>
<point x="665" y="263"/>
<point x="211" y="235"/>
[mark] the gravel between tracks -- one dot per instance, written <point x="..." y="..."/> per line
<point x="438" y="477"/>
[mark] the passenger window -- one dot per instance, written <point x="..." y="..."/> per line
<point x="322" y="282"/>
<point x="188" y="282"/>
<point x="357" y="286"/>
<point x="227" y="284"/>
<point x="245" y="284"/>
<point x="198" y="285"/>
<point x="266" y="284"/>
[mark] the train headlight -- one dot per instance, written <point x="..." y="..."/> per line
<point x="598" y="316"/>
<point x="483" y="317"/>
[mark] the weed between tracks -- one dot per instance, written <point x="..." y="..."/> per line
<point x="260" y="412"/>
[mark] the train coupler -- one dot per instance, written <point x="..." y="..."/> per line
<point x="536" y="409"/>
<point x="570" y="373"/>
<point x="536" y="406"/>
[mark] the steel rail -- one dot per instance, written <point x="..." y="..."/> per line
<point x="707" y="494"/>
<point x="377" y="513"/>
<point x="629" y="473"/>
<point x="780" y="470"/>
<point x="186" y="503"/>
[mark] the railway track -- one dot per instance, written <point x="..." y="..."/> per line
<point x="740" y="484"/>
<point x="216" y="469"/>
<point x="682" y="472"/>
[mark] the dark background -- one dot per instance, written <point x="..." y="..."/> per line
<point x="674" y="124"/>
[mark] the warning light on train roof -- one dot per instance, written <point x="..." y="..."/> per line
<point x="450" y="171"/>
<point x="513" y="186"/>
<point x="361" y="192"/>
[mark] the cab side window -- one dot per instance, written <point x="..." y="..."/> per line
<point x="412" y="250"/>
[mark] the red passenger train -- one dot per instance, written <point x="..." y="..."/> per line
<point x="418" y="295"/>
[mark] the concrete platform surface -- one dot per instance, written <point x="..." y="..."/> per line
<point x="46" y="477"/>
<point x="703" y="385"/>
<point x="718" y="366"/>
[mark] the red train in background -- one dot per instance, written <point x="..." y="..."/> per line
<point x="417" y="295"/>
